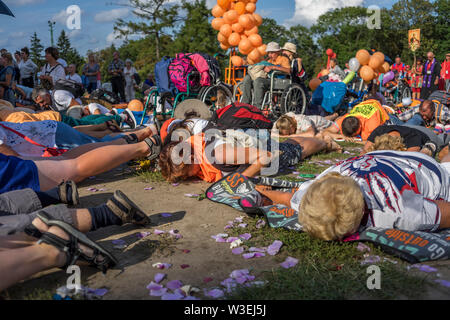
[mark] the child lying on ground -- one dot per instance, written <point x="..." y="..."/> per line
<point x="386" y="189"/>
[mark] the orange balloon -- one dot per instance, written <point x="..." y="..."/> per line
<point x="386" y="67"/>
<point x="375" y="62"/>
<point x="256" y="40"/>
<point x="363" y="57"/>
<point x="314" y="83"/>
<point x="243" y="36"/>
<point x="366" y="73"/>
<point x="380" y="55"/>
<point x="217" y="11"/>
<point x="224" y="47"/>
<point x="237" y="28"/>
<point x="224" y="4"/>
<point x="250" y="61"/>
<point x="258" y="19"/>
<point x="262" y="50"/>
<point x="237" y="61"/>
<point x="231" y="16"/>
<point x="245" y="46"/>
<point x="253" y="1"/>
<point x="222" y="39"/>
<point x="246" y="21"/>
<point x="252" y="31"/>
<point x="324" y="72"/>
<point x="250" y="7"/>
<point x="226" y="30"/>
<point x="217" y="23"/>
<point x="234" y="39"/>
<point x="240" y="7"/>
<point x="254" y="55"/>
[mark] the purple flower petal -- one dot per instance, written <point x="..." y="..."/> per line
<point x="221" y="240"/>
<point x="174" y="284"/>
<point x="253" y="249"/>
<point x="148" y="188"/>
<point x="295" y="172"/>
<point x="158" y="293"/>
<point x="98" y="292"/>
<point x="244" y="279"/>
<point x="362" y="247"/>
<point x="249" y="255"/>
<point x="172" y="296"/>
<point x="191" y="298"/>
<point x="176" y="234"/>
<point x="159" y="277"/>
<point x="228" y="226"/>
<point x="191" y="195"/>
<point x="260" y="224"/>
<point x="445" y="283"/>
<point x="289" y="263"/>
<point x="184" y="266"/>
<point x="239" y="219"/>
<point x="424" y="268"/>
<point x="370" y="259"/>
<point x="215" y="293"/>
<point x="186" y="251"/>
<point x="207" y="279"/>
<point x="166" y="215"/>
<point x="142" y="235"/>
<point x="239" y="273"/>
<point x="232" y="239"/>
<point x="160" y="265"/>
<point x="175" y="184"/>
<point x="245" y="236"/>
<point x="238" y="250"/>
<point x="158" y="232"/>
<point x="154" y="286"/>
<point x="274" y="248"/>
<point x="119" y="242"/>
<point x="242" y="225"/>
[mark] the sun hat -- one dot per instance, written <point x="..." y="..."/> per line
<point x="192" y="108"/>
<point x="273" y="47"/>
<point x="288" y="46"/>
<point x="6" y="103"/>
<point x="75" y="112"/>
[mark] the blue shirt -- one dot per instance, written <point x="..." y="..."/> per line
<point x="17" y="174"/>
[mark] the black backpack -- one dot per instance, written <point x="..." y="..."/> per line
<point x="214" y="67"/>
<point x="73" y="87"/>
<point x="240" y="116"/>
<point x="101" y="94"/>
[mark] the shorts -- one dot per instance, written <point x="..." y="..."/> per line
<point x="17" y="174"/>
<point x="291" y="154"/>
<point x="417" y="90"/>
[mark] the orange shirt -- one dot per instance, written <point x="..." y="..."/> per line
<point x="370" y="114"/>
<point x="207" y="172"/>
<point x="281" y="61"/>
<point x="21" y="116"/>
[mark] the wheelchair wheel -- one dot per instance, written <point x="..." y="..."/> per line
<point x="216" y="96"/>
<point x="293" y="99"/>
<point x="238" y="91"/>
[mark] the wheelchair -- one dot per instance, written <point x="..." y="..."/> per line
<point x="282" y="97"/>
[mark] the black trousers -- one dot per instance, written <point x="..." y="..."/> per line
<point x="118" y="87"/>
<point x="28" y="82"/>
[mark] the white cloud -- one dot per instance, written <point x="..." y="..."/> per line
<point x="19" y="34"/>
<point x="60" y="17"/>
<point x="112" y="38"/>
<point x="111" y="15"/>
<point x="19" y="3"/>
<point x="307" y="11"/>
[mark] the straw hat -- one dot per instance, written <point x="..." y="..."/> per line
<point x="192" y="108"/>
<point x="75" y="112"/>
<point x="290" y="47"/>
<point x="6" y="103"/>
<point x="273" y="47"/>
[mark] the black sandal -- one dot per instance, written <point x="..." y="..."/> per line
<point x="131" y="138"/>
<point x="71" y="247"/>
<point x="126" y="209"/>
<point x="112" y="126"/>
<point x="155" y="148"/>
<point x="63" y="190"/>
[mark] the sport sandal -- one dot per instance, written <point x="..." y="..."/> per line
<point x="126" y="209"/>
<point x="155" y="147"/>
<point x="63" y="190"/>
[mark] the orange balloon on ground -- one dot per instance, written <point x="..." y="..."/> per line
<point x="258" y="19"/>
<point x="217" y="11"/>
<point x="234" y="39"/>
<point x="363" y="57"/>
<point x="254" y="55"/>
<point x="135" y="105"/>
<point x="231" y="16"/>
<point x="240" y="7"/>
<point x="224" y="4"/>
<point x="217" y="23"/>
<point x="375" y="62"/>
<point x="237" y="61"/>
<point x="262" y="50"/>
<point x="250" y="7"/>
<point x="253" y="30"/>
<point x="226" y="30"/>
<point x="366" y="73"/>
<point x="314" y="83"/>
<point x="245" y="46"/>
<point x="256" y="40"/>
<point x="237" y="28"/>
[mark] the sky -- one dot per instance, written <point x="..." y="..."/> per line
<point x="98" y="16"/>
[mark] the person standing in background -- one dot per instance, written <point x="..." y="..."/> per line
<point x="445" y="71"/>
<point x="129" y="73"/>
<point x="431" y="72"/>
<point x="91" y="70"/>
<point x="417" y="78"/>
<point x="73" y="75"/>
<point x="27" y="68"/>
<point x="115" y="70"/>
<point x="53" y="70"/>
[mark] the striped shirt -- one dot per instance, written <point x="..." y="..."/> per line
<point x="442" y="114"/>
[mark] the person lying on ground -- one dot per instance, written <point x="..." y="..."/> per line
<point x="409" y="138"/>
<point x="77" y="164"/>
<point x="35" y="238"/>
<point x="385" y="189"/>
<point x="209" y="156"/>
<point x="192" y="126"/>
<point x="291" y="124"/>
<point x="58" y="100"/>
<point x="30" y="139"/>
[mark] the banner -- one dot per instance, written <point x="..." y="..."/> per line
<point x="414" y="39"/>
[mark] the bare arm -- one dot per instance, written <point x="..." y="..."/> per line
<point x="7" y="151"/>
<point x="444" y="208"/>
<point x="277" y="197"/>
<point x="231" y="155"/>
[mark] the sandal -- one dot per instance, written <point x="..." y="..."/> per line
<point x="130" y="120"/>
<point x="131" y="139"/>
<point x="155" y="148"/>
<point x="126" y="209"/>
<point x="112" y="126"/>
<point x="63" y="190"/>
<point x="71" y="247"/>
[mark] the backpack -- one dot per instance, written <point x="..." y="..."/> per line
<point x="73" y="87"/>
<point x="330" y="95"/>
<point x="214" y="67"/>
<point x="240" y="116"/>
<point x="179" y="70"/>
<point x="162" y="77"/>
<point x="202" y="67"/>
<point x="441" y="96"/>
<point x="102" y="94"/>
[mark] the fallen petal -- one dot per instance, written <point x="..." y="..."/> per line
<point x="154" y="286"/>
<point x="232" y="239"/>
<point x="370" y="259"/>
<point x="184" y="266"/>
<point x="260" y="224"/>
<point x="274" y="248"/>
<point x="445" y="283"/>
<point x="148" y="188"/>
<point x="238" y="250"/>
<point x="253" y="249"/>
<point x="175" y="184"/>
<point x="239" y="273"/>
<point x="158" y="293"/>
<point x="158" y="232"/>
<point x="424" y="268"/>
<point x="207" y="279"/>
<point x="289" y="263"/>
<point x="362" y="247"/>
<point x="215" y="293"/>
<point x="142" y="235"/>
<point x="191" y="195"/>
<point x="242" y="225"/>
<point x="160" y="265"/>
<point x="98" y="292"/>
<point x="186" y="251"/>
<point x="172" y="296"/>
<point x="159" y="277"/>
<point x="174" y="284"/>
<point x="191" y="298"/>
<point x="239" y="219"/>
<point x="245" y="236"/>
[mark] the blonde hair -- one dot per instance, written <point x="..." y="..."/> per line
<point x="388" y="142"/>
<point x="286" y="123"/>
<point x="332" y="207"/>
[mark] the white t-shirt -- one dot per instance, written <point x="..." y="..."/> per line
<point x="27" y="69"/>
<point x="398" y="188"/>
<point x="57" y="72"/>
<point x="95" y="106"/>
<point x="75" y="78"/>
<point x="62" y="99"/>
<point x="128" y="74"/>
<point x="42" y="132"/>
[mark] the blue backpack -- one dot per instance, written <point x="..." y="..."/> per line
<point x="162" y="77"/>
<point x="330" y="95"/>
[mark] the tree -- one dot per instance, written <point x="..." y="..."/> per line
<point x="36" y="49"/>
<point x="270" y="31"/>
<point x="157" y="16"/>
<point x="68" y="53"/>
<point x="306" y="48"/>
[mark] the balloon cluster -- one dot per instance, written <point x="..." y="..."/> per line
<point x="238" y="24"/>
<point x="369" y="66"/>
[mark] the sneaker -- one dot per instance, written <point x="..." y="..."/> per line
<point x="131" y="120"/>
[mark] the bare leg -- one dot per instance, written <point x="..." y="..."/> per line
<point x="310" y="146"/>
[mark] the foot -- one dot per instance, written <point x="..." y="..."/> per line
<point x="68" y="193"/>
<point x="144" y="133"/>
<point x="332" y="146"/>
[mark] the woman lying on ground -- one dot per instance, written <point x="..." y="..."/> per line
<point x="27" y="219"/>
